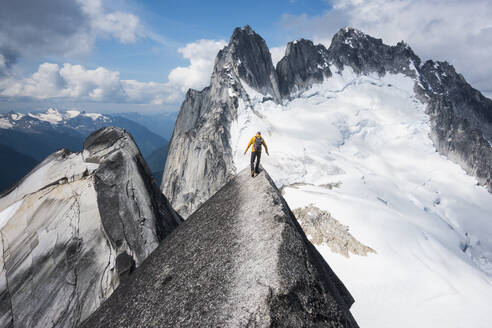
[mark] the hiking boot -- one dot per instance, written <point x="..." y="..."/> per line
<point x="253" y="173"/>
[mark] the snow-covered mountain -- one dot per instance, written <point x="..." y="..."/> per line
<point x="74" y="227"/>
<point x="38" y="134"/>
<point x="391" y="154"/>
<point x="78" y="125"/>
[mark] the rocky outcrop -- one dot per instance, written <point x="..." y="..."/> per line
<point x="199" y="161"/>
<point x="461" y="119"/>
<point x="73" y="227"/>
<point x="238" y="261"/>
<point x="365" y="54"/>
<point x="251" y="61"/>
<point x="322" y="228"/>
<point x="303" y="65"/>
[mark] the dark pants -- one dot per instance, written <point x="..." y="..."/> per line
<point x="257" y="155"/>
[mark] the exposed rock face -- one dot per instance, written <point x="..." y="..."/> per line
<point x="322" y="228"/>
<point x="238" y="261"/>
<point x="199" y="161"/>
<point x="461" y="119"/>
<point x="303" y="65"/>
<point x="72" y="226"/>
<point x="252" y="61"/>
<point x="365" y="54"/>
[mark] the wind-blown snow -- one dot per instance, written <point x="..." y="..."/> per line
<point x="428" y="221"/>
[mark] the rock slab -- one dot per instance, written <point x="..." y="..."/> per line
<point x="240" y="260"/>
<point x="73" y="227"/>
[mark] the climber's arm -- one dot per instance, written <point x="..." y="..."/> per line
<point x="265" y="145"/>
<point x="249" y="144"/>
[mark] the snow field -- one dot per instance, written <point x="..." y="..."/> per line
<point x="428" y="221"/>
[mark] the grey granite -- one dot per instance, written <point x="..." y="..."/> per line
<point x="238" y="261"/>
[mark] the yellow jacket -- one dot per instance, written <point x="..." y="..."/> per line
<point x="252" y="143"/>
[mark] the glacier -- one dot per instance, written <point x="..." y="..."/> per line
<point x="428" y="221"/>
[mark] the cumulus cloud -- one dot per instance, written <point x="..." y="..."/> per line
<point x="79" y="84"/>
<point x="201" y="55"/>
<point x="33" y="28"/>
<point x="75" y="82"/>
<point x="457" y="31"/>
<point x="124" y="26"/>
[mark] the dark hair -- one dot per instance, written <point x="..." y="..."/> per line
<point x="258" y="133"/>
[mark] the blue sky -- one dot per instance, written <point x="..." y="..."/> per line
<point x="185" y="21"/>
<point x="122" y="55"/>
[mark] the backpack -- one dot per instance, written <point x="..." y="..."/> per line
<point x="258" y="143"/>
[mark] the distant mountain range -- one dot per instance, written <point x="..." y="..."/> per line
<point x="26" y="139"/>
<point x="159" y="123"/>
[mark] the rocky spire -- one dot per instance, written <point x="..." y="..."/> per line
<point x="251" y="61"/>
<point x="199" y="160"/>
<point x="365" y="54"/>
<point x="303" y="65"/>
<point x="74" y="227"/>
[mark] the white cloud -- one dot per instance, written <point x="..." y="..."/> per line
<point x="124" y="26"/>
<point x="201" y="55"/>
<point x="75" y="82"/>
<point x="277" y="54"/>
<point x="457" y="31"/>
<point x="79" y="84"/>
<point x="61" y="28"/>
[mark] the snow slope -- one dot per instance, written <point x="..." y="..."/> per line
<point x="428" y="221"/>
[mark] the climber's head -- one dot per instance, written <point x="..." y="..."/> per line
<point x="258" y="133"/>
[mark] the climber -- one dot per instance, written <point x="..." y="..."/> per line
<point x="257" y="141"/>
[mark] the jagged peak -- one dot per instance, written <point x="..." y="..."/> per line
<point x="351" y="31"/>
<point x="248" y="57"/>
<point x="240" y="33"/>
<point x="353" y="38"/>
<point x="248" y="29"/>
<point x="301" y="41"/>
<point x="302" y="44"/>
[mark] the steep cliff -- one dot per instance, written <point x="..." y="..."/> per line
<point x="368" y="133"/>
<point x="74" y="227"/>
<point x="461" y="119"/>
<point x="199" y="161"/>
<point x="303" y="65"/>
<point x="238" y="261"/>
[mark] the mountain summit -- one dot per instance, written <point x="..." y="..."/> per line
<point x="244" y="70"/>
<point x="396" y="150"/>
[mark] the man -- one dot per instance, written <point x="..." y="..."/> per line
<point x="257" y="141"/>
